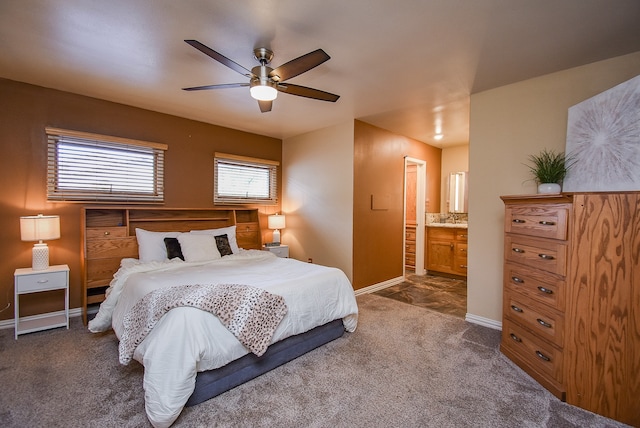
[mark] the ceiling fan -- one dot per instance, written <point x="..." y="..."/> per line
<point x="265" y="82"/>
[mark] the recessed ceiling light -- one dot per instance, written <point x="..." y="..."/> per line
<point x="438" y="137"/>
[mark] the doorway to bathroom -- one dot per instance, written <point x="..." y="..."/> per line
<point x="415" y="174"/>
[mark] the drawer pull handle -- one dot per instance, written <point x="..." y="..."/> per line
<point x="517" y="309"/>
<point x="462" y="236"/>
<point x="546" y="257"/>
<point x="542" y="356"/>
<point x="516" y="338"/>
<point x="517" y="280"/>
<point x="544" y="323"/>
<point x="518" y="250"/>
<point x="463" y="266"/>
<point x="107" y="233"/>
<point x="547" y="223"/>
<point x="517" y="220"/>
<point x="43" y="281"/>
<point x="545" y="290"/>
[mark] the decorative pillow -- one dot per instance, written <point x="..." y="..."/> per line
<point x="173" y="248"/>
<point x="222" y="242"/>
<point x="151" y="245"/>
<point x="198" y="247"/>
<point x="230" y="231"/>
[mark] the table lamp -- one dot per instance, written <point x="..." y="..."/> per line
<point x="276" y="222"/>
<point x="40" y="228"/>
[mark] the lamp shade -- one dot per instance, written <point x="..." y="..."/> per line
<point x="276" y="221"/>
<point x="39" y="227"/>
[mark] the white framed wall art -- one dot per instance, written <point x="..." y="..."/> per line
<point x="603" y="138"/>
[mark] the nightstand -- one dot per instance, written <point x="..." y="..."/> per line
<point x="28" y="281"/>
<point x="280" y="250"/>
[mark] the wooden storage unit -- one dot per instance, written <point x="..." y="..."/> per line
<point x="447" y="250"/>
<point x="410" y="247"/>
<point x="108" y="236"/>
<point x="572" y="297"/>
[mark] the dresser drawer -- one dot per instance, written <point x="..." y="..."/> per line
<point x="544" y="254"/>
<point x="461" y="235"/>
<point x="543" y="221"/>
<point x="247" y="227"/>
<point x="41" y="282"/>
<point x="533" y="351"/>
<point x="106" y="232"/>
<point x="546" y="323"/>
<point x="540" y="286"/>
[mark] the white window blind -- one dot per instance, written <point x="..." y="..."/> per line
<point x="91" y="167"/>
<point x="242" y="180"/>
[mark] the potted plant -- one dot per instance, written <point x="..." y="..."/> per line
<point x="549" y="169"/>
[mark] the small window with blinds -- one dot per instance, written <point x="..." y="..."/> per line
<point x="90" y="167"/>
<point x="243" y="180"/>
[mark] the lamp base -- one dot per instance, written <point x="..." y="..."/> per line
<point x="40" y="257"/>
<point x="276" y="237"/>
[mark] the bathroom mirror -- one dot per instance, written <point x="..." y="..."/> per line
<point x="458" y="197"/>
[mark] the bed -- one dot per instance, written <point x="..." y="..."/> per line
<point x="189" y="355"/>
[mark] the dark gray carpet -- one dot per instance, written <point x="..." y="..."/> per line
<point x="405" y="366"/>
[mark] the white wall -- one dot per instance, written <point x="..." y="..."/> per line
<point x="508" y="124"/>
<point x="454" y="159"/>
<point x="318" y="196"/>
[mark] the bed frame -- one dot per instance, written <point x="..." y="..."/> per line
<point x="108" y="235"/>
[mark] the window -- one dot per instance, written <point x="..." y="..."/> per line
<point x="243" y="180"/>
<point x="91" y="167"/>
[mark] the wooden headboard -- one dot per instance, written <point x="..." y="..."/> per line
<point x="109" y="234"/>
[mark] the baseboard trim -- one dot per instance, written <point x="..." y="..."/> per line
<point x="379" y="286"/>
<point x="10" y="323"/>
<point x="485" y="322"/>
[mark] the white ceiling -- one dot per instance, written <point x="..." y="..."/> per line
<point x="408" y="66"/>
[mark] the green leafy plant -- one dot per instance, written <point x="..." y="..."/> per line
<point x="549" y="166"/>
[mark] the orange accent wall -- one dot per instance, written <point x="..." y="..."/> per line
<point x="379" y="171"/>
<point x="25" y="110"/>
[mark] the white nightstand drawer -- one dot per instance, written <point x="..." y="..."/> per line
<point x="280" y="250"/>
<point x="41" y="282"/>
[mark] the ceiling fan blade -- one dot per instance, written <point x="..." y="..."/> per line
<point x="219" y="57"/>
<point x="265" y="106"/>
<point x="223" y="86"/>
<point x="303" y="91"/>
<point x="299" y="65"/>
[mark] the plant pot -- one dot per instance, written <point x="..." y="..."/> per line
<point x="549" y="188"/>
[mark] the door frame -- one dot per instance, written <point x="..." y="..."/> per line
<point x="421" y="183"/>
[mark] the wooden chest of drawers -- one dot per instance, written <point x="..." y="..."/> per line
<point x="536" y="260"/>
<point x="571" y="299"/>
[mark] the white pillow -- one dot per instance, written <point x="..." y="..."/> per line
<point x="151" y="247"/>
<point x="230" y="231"/>
<point x="198" y="247"/>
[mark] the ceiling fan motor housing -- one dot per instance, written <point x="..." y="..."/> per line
<point x="263" y="55"/>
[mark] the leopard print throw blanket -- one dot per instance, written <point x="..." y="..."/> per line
<point x="250" y="313"/>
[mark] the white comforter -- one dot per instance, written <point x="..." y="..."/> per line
<point x="188" y="340"/>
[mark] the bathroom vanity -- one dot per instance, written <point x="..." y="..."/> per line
<point x="447" y="248"/>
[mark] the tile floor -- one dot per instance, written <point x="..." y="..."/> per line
<point x="438" y="293"/>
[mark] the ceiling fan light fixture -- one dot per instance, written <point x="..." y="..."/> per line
<point x="263" y="91"/>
